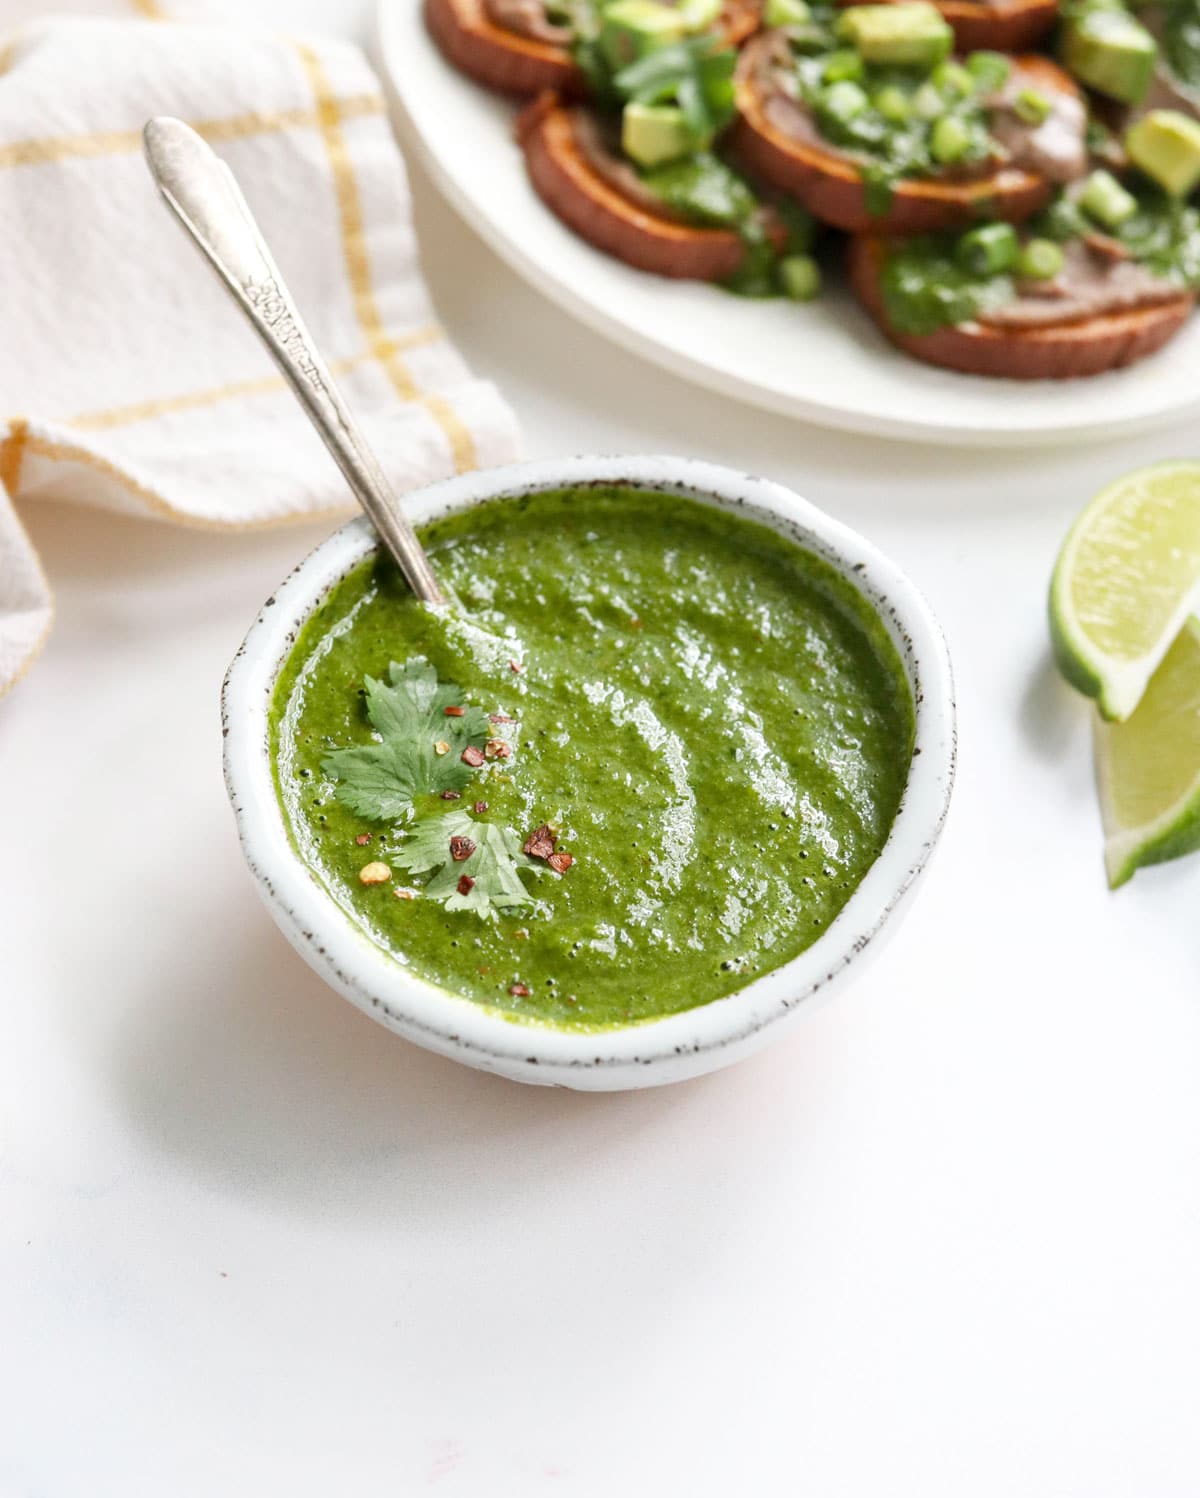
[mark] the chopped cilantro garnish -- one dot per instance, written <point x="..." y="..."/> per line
<point x="423" y="730"/>
<point x="696" y="74"/>
<point x="486" y="881"/>
<point x="419" y="750"/>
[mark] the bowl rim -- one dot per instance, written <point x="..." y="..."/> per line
<point x="681" y="1044"/>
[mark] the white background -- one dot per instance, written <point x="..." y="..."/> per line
<point x="942" y="1241"/>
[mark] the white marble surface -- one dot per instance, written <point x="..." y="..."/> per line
<point x="941" y="1241"/>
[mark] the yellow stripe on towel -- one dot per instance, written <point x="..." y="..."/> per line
<point x="148" y="410"/>
<point x="237" y="127"/>
<point x="358" y="266"/>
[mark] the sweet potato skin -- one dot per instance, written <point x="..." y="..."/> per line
<point x="569" y="185"/>
<point x="519" y="66"/>
<point x="508" y="63"/>
<point x="1063" y="352"/>
<point x="1014" y="27"/>
<point x="739" y="20"/>
<point x="832" y="188"/>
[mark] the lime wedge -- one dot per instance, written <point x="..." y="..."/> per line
<point x="1126" y="579"/>
<point x="1148" y="767"/>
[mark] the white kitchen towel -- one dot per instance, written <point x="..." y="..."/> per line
<point x="127" y="379"/>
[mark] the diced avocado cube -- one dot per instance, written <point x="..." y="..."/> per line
<point x="698" y="15"/>
<point x="786" y="13"/>
<point x="800" y="277"/>
<point x="652" y="134"/>
<point x="1110" y="52"/>
<point x="1105" y="200"/>
<point x="989" y="250"/>
<point x="909" y="34"/>
<point x="1165" y="144"/>
<point x="631" y="28"/>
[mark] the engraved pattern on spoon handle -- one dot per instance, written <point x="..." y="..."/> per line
<point x="203" y="194"/>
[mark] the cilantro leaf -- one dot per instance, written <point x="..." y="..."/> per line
<point x="413" y="701"/>
<point x="697" y="74"/>
<point x="494" y="865"/>
<point x="377" y="780"/>
<point x="408" y="712"/>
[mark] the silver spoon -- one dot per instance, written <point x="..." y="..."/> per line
<point x="205" y="197"/>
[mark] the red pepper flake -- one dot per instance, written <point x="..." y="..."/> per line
<point x="540" y="842"/>
<point x="456" y="712"/>
<point x="363" y="839"/>
<point x="451" y="795"/>
<point x="472" y="756"/>
<point x="466" y="884"/>
<point x="500" y="718"/>
<point x="560" y="862"/>
<point x="480" y="808"/>
<point x="497" y="749"/>
<point x="461" y="849"/>
<point x="515" y="668"/>
<point x="518" y="990"/>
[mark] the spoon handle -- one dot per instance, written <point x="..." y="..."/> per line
<point x="202" y="192"/>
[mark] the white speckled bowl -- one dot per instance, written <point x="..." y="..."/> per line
<point x="656" y="1051"/>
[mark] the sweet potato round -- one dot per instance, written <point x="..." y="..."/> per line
<point x="569" y="184"/>
<point x="518" y="65"/>
<point x="1059" y="352"/>
<point x="501" y="59"/>
<point x="739" y="20"/>
<point x="1011" y="27"/>
<point x="832" y="188"/>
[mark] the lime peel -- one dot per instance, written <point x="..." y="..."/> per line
<point x="1126" y="580"/>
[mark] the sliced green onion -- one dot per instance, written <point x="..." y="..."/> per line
<point x="800" y="277"/>
<point x="786" y="13"/>
<point x="1105" y="200"/>
<point x="949" y="139"/>
<point x="953" y="79"/>
<point x="927" y="102"/>
<point x="1031" y="106"/>
<point x="892" y="103"/>
<point x="842" y="101"/>
<point x="843" y="65"/>
<point x="989" y="250"/>
<point x="1040" y="260"/>
<point x="1062" y="220"/>
<point x="990" y="70"/>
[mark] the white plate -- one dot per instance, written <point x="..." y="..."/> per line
<point x="824" y="362"/>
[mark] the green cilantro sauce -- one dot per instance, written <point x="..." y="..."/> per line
<point x="927" y="284"/>
<point x="715" y="723"/>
